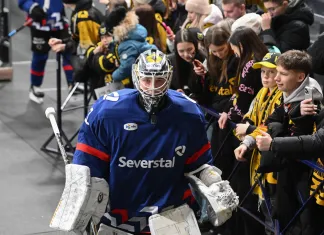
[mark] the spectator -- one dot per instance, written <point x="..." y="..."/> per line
<point x="44" y="26"/>
<point x="130" y="40"/>
<point x="253" y="21"/>
<point x="184" y="79"/>
<point x="220" y="75"/>
<point x="267" y="99"/>
<point x="201" y="15"/>
<point x="233" y="9"/>
<point x="178" y="15"/>
<point x="293" y="69"/>
<point x="287" y="25"/>
<point x="102" y="59"/>
<point x="85" y="23"/>
<point x="146" y="17"/>
<point x="160" y="10"/>
<point x="306" y="147"/>
<point x="246" y="45"/>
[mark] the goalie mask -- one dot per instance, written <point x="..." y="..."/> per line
<point x="152" y="74"/>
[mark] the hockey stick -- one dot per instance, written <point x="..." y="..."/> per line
<point x="13" y="32"/>
<point x="5" y="39"/>
<point x="50" y="114"/>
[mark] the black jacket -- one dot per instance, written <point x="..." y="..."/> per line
<point x="290" y="30"/>
<point x="307" y="145"/>
<point x="316" y="50"/>
<point x="293" y="177"/>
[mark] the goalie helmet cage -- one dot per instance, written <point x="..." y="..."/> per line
<point x="6" y="72"/>
<point x="276" y="229"/>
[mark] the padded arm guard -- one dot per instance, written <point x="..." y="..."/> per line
<point x="220" y="197"/>
<point x="83" y="198"/>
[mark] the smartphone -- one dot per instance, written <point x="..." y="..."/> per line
<point x="167" y="28"/>
<point x="309" y="92"/>
<point x="197" y="63"/>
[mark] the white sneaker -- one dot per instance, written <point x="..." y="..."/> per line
<point x="36" y="94"/>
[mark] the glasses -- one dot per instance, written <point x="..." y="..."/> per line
<point x="272" y="9"/>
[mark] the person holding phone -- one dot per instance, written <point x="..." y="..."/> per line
<point x="293" y="68"/>
<point x="187" y="53"/>
<point x="220" y="74"/>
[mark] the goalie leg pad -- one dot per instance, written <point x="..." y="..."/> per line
<point x="83" y="197"/>
<point x="177" y="221"/>
<point x="106" y="230"/>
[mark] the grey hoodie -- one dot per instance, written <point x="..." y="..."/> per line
<point x="299" y="93"/>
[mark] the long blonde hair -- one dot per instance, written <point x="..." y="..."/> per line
<point x="197" y="23"/>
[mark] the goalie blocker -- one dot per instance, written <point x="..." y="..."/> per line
<point x="220" y="197"/>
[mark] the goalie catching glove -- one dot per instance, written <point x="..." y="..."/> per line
<point x="220" y="197"/>
<point x="83" y="198"/>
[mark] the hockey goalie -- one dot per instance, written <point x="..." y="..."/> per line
<point x="140" y="154"/>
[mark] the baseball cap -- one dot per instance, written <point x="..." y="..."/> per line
<point x="269" y="61"/>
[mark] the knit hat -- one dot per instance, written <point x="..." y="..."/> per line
<point x="198" y="6"/>
<point x="250" y="20"/>
<point x="142" y="1"/>
<point x="115" y="18"/>
<point x="269" y="61"/>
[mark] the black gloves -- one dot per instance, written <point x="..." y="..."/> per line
<point x="37" y="14"/>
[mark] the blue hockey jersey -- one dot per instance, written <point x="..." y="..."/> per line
<point x="143" y="163"/>
<point x="54" y="9"/>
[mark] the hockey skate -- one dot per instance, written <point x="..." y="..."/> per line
<point x="36" y="94"/>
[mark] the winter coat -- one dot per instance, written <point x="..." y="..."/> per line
<point x="103" y="64"/>
<point x="130" y="40"/>
<point x="291" y="29"/>
<point x="316" y="50"/>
